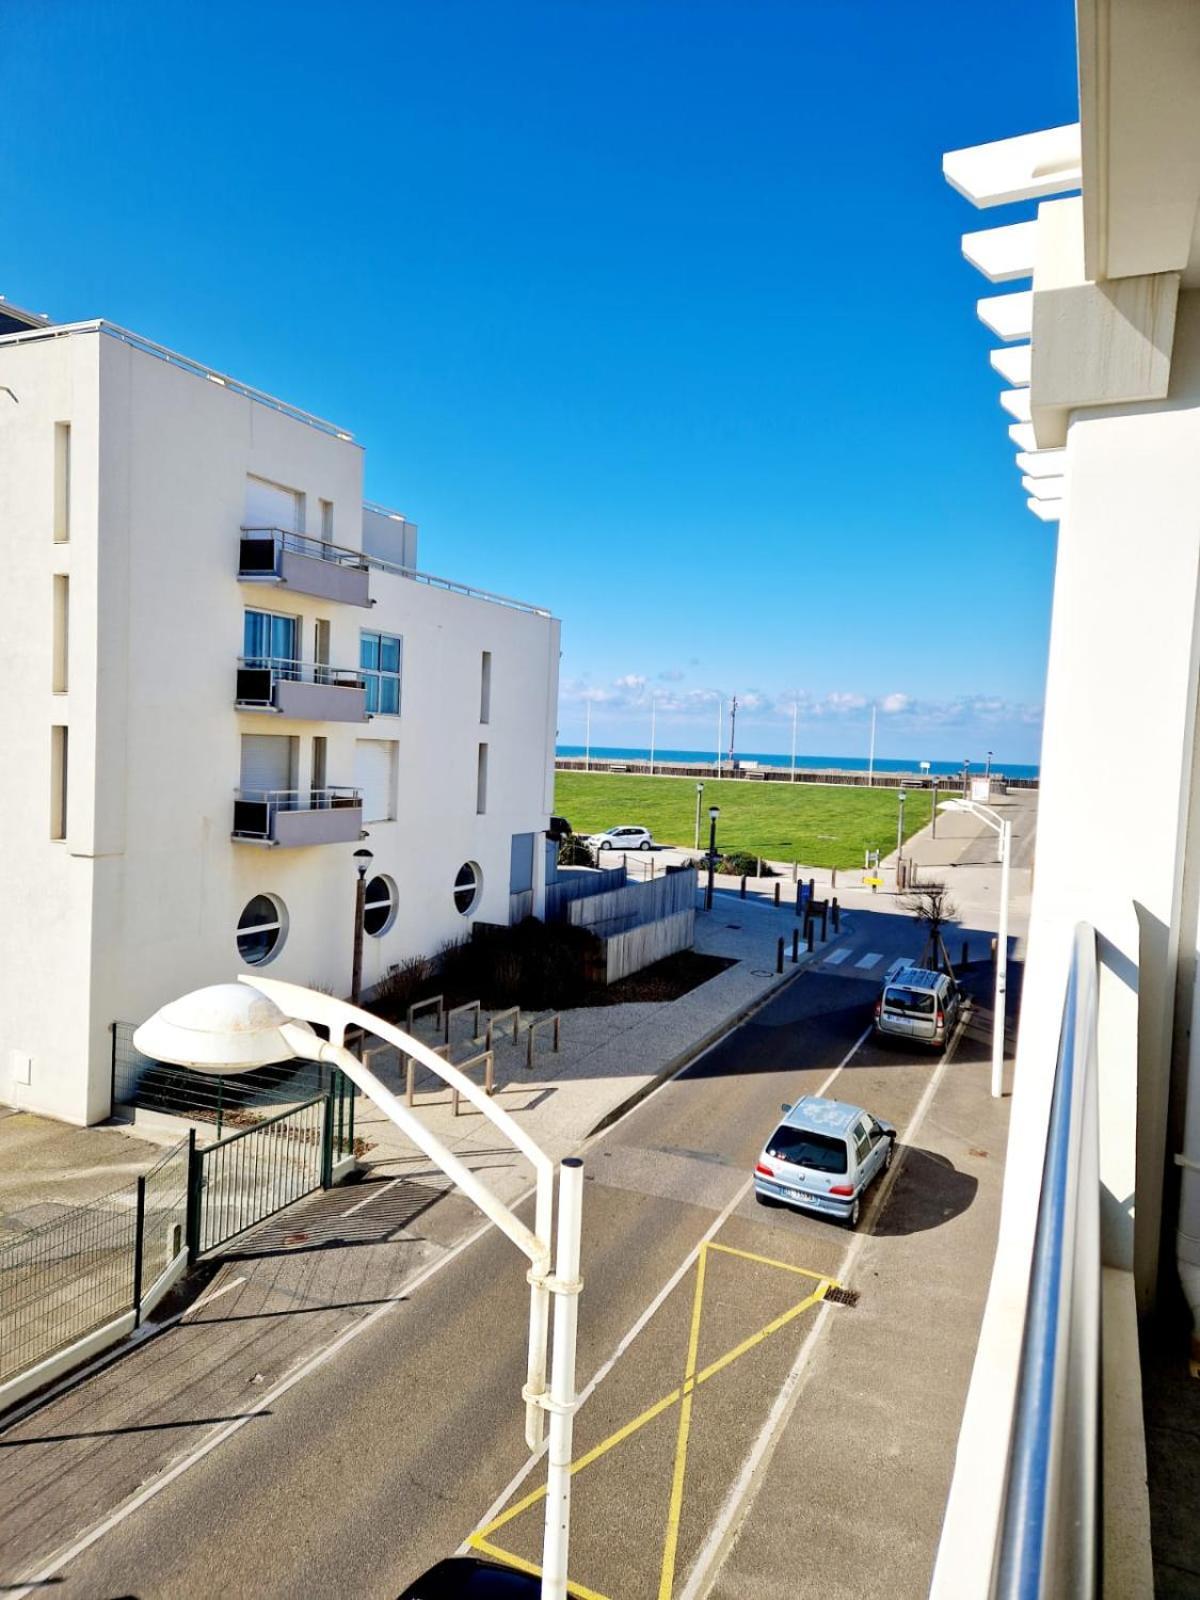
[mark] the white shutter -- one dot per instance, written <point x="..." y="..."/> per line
<point x="374" y="774"/>
<point x="270" y="505"/>
<point x="266" y="761"/>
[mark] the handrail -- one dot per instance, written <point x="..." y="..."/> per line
<point x="307" y="544"/>
<point x="185" y="363"/>
<point x="1049" y="1530"/>
<point x="293" y="671"/>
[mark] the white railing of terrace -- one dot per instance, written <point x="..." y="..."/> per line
<point x="258" y="807"/>
<point x="1042" y="1539"/>
<point x="185" y="363"/>
<point x="319" y="672"/>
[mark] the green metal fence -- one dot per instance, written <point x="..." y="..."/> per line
<point x="69" y="1277"/>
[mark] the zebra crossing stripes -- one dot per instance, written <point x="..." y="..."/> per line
<point x="835" y="957"/>
<point x="871" y="959"/>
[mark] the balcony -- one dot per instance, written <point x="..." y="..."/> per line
<point x="305" y="565"/>
<point x="293" y="817"/>
<point x="310" y="691"/>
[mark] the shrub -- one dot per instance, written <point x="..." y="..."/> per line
<point x="412" y="979"/>
<point x="741" y="862"/>
<point x="575" y="852"/>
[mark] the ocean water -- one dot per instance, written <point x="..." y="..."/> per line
<point x="1010" y="769"/>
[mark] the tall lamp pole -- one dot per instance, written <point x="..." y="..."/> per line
<point x="902" y="796"/>
<point x="713" y="813"/>
<point x="362" y="860"/>
<point x="699" y="797"/>
<point x="1003" y="828"/>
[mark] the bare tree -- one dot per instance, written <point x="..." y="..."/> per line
<point x="931" y="905"/>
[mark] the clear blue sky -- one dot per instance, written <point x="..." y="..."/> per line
<point x="651" y="311"/>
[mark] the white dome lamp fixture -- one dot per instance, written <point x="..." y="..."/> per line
<point x="224" y="1029"/>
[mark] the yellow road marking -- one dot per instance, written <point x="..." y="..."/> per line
<point x="480" y="1540"/>
<point x="528" y="1566"/>
<point x="667" y="1576"/>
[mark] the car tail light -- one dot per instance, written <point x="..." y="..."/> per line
<point x="766" y="1171"/>
<point x="941" y="1019"/>
<point x="842" y="1188"/>
<point x="878" y="1009"/>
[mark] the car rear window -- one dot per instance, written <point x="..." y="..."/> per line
<point x="913" y="1001"/>
<point x="805" y="1148"/>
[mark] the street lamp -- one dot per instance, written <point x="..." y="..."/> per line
<point x="1003" y="828"/>
<point x="699" y="797"/>
<point x="902" y="796"/>
<point x="235" y="1027"/>
<point x="713" y="813"/>
<point x="362" y="860"/>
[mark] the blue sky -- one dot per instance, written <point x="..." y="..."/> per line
<point x="651" y="311"/>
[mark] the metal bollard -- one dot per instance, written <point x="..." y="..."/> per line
<point x="837" y="916"/>
<point x="795" y="944"/>
<point x="833" y="877"/>
<point x="742" y="891"/>
<point x="795" y="870"/>
<point x="824" y="923"/>
<point x="779" y="954"/>
<point x="776" y="891"/>
<point x="812" y="888"/>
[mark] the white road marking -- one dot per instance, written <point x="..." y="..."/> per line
<point x="740" y="1500"/>
<point x="871" y="959"/>
<point x="627" y="1338"/>
<point x="226" y="1431"/>
<point x="836" y="958"/>
<point x="207" y="1300"/>
<point x="377" y="1191"/>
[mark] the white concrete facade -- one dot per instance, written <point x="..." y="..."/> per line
<point x="127" y="632"/>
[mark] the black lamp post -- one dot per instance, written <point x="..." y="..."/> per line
<point x="362" y="860"/>
<point x="713" y="813"/>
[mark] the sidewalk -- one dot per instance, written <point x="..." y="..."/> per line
<point x="48" y="1167"/>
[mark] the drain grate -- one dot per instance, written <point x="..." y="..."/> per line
<point x="842" y="1297"/>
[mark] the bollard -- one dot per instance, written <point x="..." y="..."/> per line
<point x="779" y="954"/>
<point x="808" y="933"/>
<point x="795" y="944"/>
<point x="795" y="870"/>
<point x="742" y="891"/>
<point x="837" y="916"/>
<point x="776" y="891"/>
<point x="824" y="923"/>
<point x="833" y="877"/>
<point x="812" y="888"/>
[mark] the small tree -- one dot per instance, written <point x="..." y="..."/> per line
<point x="931" y="905"/>
<point x="575" y="852"/>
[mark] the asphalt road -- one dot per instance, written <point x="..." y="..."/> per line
<point x="358" y="1473"/>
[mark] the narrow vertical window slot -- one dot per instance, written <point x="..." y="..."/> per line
<point x="62" y="482"/>
<point x="61" y="633"/>
<point x="481" y="781"/>
<point x="58" y="782"/>
<point x="485" y="688"/>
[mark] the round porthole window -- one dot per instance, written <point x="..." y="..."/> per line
<point x="467" y="887"/>
<point x="261" y="930"/>
<point x="379" y="907"/>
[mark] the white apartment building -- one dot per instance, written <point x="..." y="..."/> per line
<point x="223" y="675"/>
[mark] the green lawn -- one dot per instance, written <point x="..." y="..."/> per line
<point x="817" y="824"/>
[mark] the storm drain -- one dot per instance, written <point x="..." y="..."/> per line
<point x="842" y="1297"/>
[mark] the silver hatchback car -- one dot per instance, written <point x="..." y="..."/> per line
<point x="822" y="1157"/>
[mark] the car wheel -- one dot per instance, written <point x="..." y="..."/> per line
<point x="606" y="844"/>
<point x="852" y="1214"/>
<point x="645" y="845"/>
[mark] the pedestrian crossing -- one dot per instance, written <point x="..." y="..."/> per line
<point x="866" y="962"/>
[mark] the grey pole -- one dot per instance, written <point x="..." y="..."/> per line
<point x="699" y="797"/>
<point x="362" y="860"/>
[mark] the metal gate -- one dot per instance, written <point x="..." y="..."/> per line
<point x="251" y="1175"/>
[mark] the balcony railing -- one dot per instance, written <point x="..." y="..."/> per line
<point x="289" y="817"/>
<point x="306" y="564"/>
<point x="1039" y="1537"/>
<point x="305" y="689"/>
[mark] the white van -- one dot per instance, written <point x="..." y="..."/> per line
<point x="918" y="1004"/>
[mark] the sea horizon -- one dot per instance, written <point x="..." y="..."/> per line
<point x="807" y="763"/>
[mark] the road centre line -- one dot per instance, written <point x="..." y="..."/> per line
<point x="740" y="1500"/>
<point x="627" y="1338"/>
<point x="226" y="1431"/>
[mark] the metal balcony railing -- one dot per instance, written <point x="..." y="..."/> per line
<point x="262" y="551"/>
<point x="257" y="677"/>
<point x="1050" y="1523"/>
<point x="256" y="812"/>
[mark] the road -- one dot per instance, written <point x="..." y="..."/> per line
<point x="823" y="1432"/>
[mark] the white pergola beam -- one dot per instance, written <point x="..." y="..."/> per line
<point x="1046" y="510"/>
<point x="1014" y="364"/>
<point x="1021" y="434"/>
<point x="1026" y="167"/>
<point x="1042" y="463"/>
<point x="1044" y="488"/>
<point x="1016" y="403"/>
<point x="1009" y="316"/>
<point x="1002" y="254"/>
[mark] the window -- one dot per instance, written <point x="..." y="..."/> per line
<point x="485" y="688"/>
<point x="379" y="907"/>
<point x="320" y="760"/>
<point x="481" y="781"/>
<point x="271" y="505"/>
<point x="467" y="887"/>
<point x="261" y="930"/>
<point x="62" y="482"/>
<point x="805" y="1148"/>
<point x="380" y="656"/>
<point x="375" y="776"/>
<point x="910" y="1002"/>
<point x="58" y="782"/>
<point x="58" y="668"/>
<point x="269" y="640"/>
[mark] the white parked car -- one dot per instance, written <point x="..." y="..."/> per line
<point x="622" y="839"/>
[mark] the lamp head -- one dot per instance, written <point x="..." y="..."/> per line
<point x="362" y="860"/>
<point x="713" y="813"/>
<point x="224" y="1029"/>
<point x="902" y="795"/>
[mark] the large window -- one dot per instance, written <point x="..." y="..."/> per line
<point x="261" y="930"/>
<point x="270" y="640"/>
<point x="380" y="657"/>
<point x="379" y="906"/>
<point x="467" y="887"/>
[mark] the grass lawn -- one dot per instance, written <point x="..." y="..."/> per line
<point x="817" y="824"/>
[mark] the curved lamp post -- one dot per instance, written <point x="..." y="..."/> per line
<point x="1003" y="827"/>
<point x="235" y="1027"/>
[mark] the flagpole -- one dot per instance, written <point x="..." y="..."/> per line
<point x="871" y="758"/>
<point x="587" y="747"/>
<point x="653" y="714"/>
<point x="794" y="710"/>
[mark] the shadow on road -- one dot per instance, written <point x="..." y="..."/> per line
<point x="929" y="1190"/>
